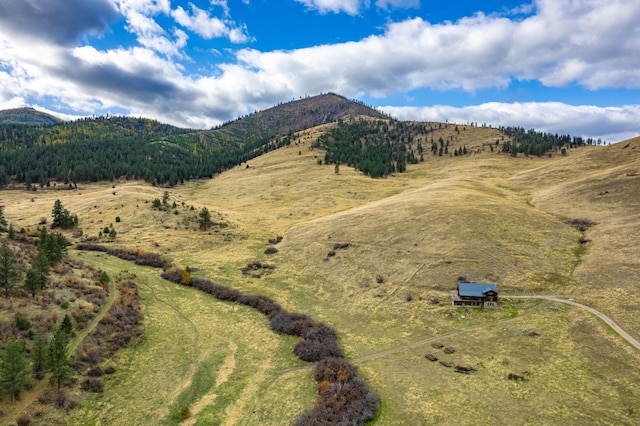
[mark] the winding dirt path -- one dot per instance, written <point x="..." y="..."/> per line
<point x="626" y="336"/>
<point x="28" y="398"/>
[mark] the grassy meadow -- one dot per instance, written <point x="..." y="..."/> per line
<point x="484" y="216"/>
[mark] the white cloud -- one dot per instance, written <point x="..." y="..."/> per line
<point x="397" y="4"/>
<point x="351" y="7"/>
<point x="609" y="123"/>
<point x="209" y="27"/>
<point x="354" y="7"/>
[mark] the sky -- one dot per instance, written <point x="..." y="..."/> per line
<point x="560" y="66"/>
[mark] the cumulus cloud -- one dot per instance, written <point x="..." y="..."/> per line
<point x="207" y="26"/>
<point x="58" y="21"/>
<point x="351" y="7"/>
<point x="593" y="44"/>
<point x="609" y="123"/>
<point x="354" y="7"/>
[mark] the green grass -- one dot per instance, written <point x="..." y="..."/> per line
<point x="188" y="338"/>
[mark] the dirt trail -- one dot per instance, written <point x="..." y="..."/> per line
<point x="626" y="336"/>
<point x="28" y="398"/>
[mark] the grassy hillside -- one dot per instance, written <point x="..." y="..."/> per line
<point x="27" y="116"/>
<point x="485" y="216"/>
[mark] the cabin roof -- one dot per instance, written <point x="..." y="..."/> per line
<point x="475" y="289"/>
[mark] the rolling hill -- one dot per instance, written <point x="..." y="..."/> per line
<point x="487" y="215"/>
<point x="107" y="148"/>
<point x="28" y="116"/>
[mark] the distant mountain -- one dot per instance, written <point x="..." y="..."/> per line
<point x="107" y="148"/>
<point x="290" y="117"/>
<point x="27" y="116"/>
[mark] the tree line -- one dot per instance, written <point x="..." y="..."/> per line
<point x="375" y="147"/>
<point x="532" y="142"/>
<point x="109" y="148"/>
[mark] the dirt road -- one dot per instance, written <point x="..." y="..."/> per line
<point x="626" y="336"/>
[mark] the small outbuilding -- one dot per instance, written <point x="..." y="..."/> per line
<point x="476" y="295"/>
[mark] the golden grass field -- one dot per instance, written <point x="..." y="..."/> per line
<point x="484" y="216"/>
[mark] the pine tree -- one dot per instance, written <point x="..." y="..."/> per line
<point x="32" y="281"/>
<point x="61" y="217"/>
<point x="42" y="268"/>
<point x="9" y="273"/>
<point x="54" y="245"/>
<point x="57" y="213"/>
<point x="66" y="326"/>
<point x="58" y="362"/>
<point x="13" y="369"/>
<point x="204" y="219"/>
<point x="39" y="357"/>
<point x="3" y="221"/>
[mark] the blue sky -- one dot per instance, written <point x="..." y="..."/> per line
<point x="554" y="65"/>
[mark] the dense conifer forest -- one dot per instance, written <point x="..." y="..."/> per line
<point x="532" y="142"/>
<point x="375" y="147"/>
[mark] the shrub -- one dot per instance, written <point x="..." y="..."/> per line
<point x="582" y="224"/>
<point x="271" y="250"/>
<point x="343" y="398"/>
<point x="22" y="323"/>
<point x="23" y="420"/>
<point x="92" y="354"/>
<point x="275" y="240"/>
<point x="92" y="247"/>
<point x="284" y="322"/>
<point x="92" y="384"/>
<point x="260" y="303"/>
<point x="312" y="350"/>
<point x="95" y="372"/>
<point x="334" y="370"/>
<point x="185" y="413"/>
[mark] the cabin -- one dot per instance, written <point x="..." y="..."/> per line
<point x="476" y="295"/>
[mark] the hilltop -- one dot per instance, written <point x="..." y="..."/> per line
<point x="290" y="117"/>
<point x="28" y="116"/>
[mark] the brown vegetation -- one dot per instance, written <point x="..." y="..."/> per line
<point x="118" y="328"/>
<point x="343" y="398"/>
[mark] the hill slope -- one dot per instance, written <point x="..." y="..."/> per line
<point x="27" y="116"/>
<point x="294" y="116"/>
<point x="138" y="148"/>
<point x="485" y="216"/>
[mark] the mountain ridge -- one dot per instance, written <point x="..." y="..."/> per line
<point x="28" y="115"/>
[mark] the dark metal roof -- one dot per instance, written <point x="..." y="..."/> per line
<point x="475" y="289"/>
